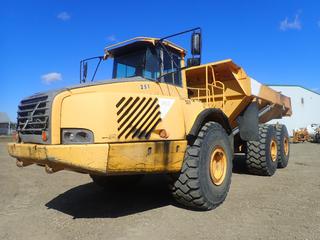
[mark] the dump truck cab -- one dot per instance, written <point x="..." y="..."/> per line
<point x="144" y="57"/>
<point x="134" y="112"/>
<point x="160" y="113"/>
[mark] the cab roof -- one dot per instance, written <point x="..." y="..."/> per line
<point x="139" y="42"/>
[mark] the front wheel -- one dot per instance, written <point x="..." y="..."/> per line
<point x="205" y="177"/>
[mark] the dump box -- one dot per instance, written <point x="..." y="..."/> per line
<point x="226" y="86"/>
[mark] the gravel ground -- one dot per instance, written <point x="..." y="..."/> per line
<point x="66" y="205"/>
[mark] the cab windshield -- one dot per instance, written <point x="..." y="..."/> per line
<point x="151" y="63"/>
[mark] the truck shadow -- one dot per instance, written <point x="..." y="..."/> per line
<point x="91" y="201"/>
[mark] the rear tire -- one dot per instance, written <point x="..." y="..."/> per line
<point x="262" y="155"/>
<point x="283" y="146"/>
<point x="116" y="182"/>
<point x="205" y="177"/>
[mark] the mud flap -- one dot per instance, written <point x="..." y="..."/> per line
<point x="249" y="123"/>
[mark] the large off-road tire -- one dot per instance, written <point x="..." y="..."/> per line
<point x="283" y="146"/>
<point x="205" y="177"/>
<point x="116" y="182"/>
<point x="262" y="157"/>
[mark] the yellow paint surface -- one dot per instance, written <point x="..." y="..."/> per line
<point x="164" y="156"/>
<point x="91" y="157"/>
<point x="146" y="157"/>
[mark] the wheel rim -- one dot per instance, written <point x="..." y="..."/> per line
<point x="273" y="150"/>
<point x="286" y="146"/>
<point x="218" y="166"/>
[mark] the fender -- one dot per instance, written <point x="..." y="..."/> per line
<point x="207" y="115"/>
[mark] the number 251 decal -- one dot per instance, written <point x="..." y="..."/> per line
<point x="144" y="86"/>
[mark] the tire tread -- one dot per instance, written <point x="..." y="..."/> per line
<point x="186" y="189"/>
<point x="256" y="160"/>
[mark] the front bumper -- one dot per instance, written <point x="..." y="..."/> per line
<point x="113" y="158"/>
<point x="84" y="157"/>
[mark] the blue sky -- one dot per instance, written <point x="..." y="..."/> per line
<point x="42" y="42"/>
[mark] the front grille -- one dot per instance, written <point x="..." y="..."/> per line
<point x="137" y="117"/>
<point x="33" y="115"/>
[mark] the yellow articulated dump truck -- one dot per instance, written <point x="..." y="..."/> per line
<point x="160" y="113"/>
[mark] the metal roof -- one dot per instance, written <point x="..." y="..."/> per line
<point x="4" y="118"/>
<point x="143" y="40"/>
<point x="288" y="85"/>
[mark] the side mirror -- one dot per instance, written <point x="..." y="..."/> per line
<point x="85" y="71"/>
<point x="193" y="62"/>
<point x="196" y="43"/>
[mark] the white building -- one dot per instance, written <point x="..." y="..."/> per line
<point x="305" y="107"/>
<point x="6" y="125"/>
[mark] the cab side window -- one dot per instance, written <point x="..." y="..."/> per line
<point x="171" y="69"/>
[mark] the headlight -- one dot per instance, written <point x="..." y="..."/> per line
<point x="76" y="136"/>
